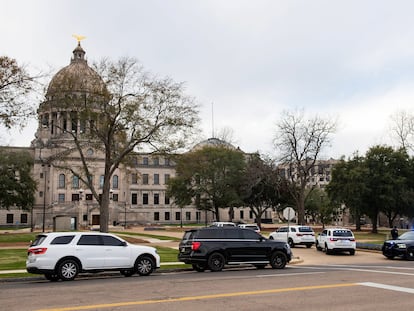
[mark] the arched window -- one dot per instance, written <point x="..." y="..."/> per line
<point x="75" y="182"/>
<point x="62" y="181"/>
<point x="115" y="182"/>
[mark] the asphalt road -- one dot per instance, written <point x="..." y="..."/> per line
<point x="366" y="281"/>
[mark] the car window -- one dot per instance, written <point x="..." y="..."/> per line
<point x="210" y="234"/>
<point x="292" y="229"/>
<point x="188" y="235"/>
<point x="284" y="229"/>
<point x="250" y="235"/>
<point x="407" y="236"/>
<point x="233" y="234"/>
<point x="90" y="240"/>
<point x="39" y="240"/>
<point x="343" y="233"/>
<point x="65" y="239"/>
<point x="112" y="241"/>
<point x="305" y="229"/>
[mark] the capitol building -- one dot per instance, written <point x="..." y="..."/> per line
<point x="137" y="191"/>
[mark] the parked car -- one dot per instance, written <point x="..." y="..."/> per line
<point x="253" y="227"/>
<point x="214" y="247"/>
<point x="62" y="255"/>
<point x="223" y="224"/>
<point x="402" y="247"/>
<point x="336" y="240"/>
<point x="294" y="235"/>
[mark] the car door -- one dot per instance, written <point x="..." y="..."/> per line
<point x="117" y="253"/>
<point x="89" y="249"/>
<point x="247" y="246"/>
<point x="322" y="238"/>
<point x="281" y="234"/>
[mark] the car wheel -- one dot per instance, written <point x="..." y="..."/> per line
<point x="318" y="248"/>
<point x="260" y="266"/>
<point x="327" y="250"/>
<point x="53" y="277"/>
<point x="68" y="269"/>
<point x="352" y="252"/>
<point x="144" y="265"/>
<point x="308" y="245"/>
<point x="291" y="244"/>
<point x="198" y="267"/>
<point x="389" y="256"/>
<point x="216" y="262"/>
<point x="271" y="238"/>
<point x="127" y="272"/>
<point x="410" y="254"/>
<point x="278" y="260"/>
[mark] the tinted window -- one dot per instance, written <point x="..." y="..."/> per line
<point x="90" y="240"/>
<point x="407" y="236"/>
<point x="39" y="240"/>
<point x="66" y="239"/>
<point x="250" y="235"/>
<point x="210" y="234"/>
<point x="345" y="233"/>
<point x="110" y="240"/>
<point x="305" y="229"/>
<point x="282" y="230"/>
<point x="232" y="234"/>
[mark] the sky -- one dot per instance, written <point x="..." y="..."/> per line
<point x="245" y="62"/>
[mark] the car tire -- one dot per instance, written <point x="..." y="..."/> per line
<point x="271" y="238"/>
<point x="53" y="277"/>
<point x="291" y="244"/>
<point x="327" y="250"/>
<point x="389" y="257"/>
<point x="278" y="260"/>
<point x="68" y="269"/>
<point x="352" y="252"/>
<point x="127" y="272"/>
<point x="308" y="245"/>
<point x="144" y="265"/>
<point x="199" y="267"/>
<point x="216" y="262"/>
<point x="410" y="254"/>
<point x="318" y="248"/>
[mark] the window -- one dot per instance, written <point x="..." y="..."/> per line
<point x="188" y="215"/>
<point x="75" y="182"/>
<point x="145" y="198"/>
<point x="145" y="160"/>
<point x="156" y="161"/>
<point x="23" y="218"/>
<point x="177" y="215"/>
<point x="110" y="240"/>
<point x="75" y="197"/>
<point x="65" y="239"/>
<point x="167" y="161"/>
<point x="115" y="197"/>
<point x="134" y="178"/>
<point x="166" y="200"/>
<point x="41" y="194"/>
<point x="156" y="198"/>
<point x="61" y="197"/>
<point x="157" y="216"/>
<point x="241" y="214"/>
<point x="166" y="178"/>
<point x="167" y="215"/>
<point x="145" y="179"/>
<point x="62" y="181"/>
<point x="89" y="197"/>
<point x="89" y="240"/>
<point x="115" y="182"/>
<point x="156" y="179"/>
<point x="101" y="181"/>
<point x="134" y="198"/>
<point x="198" y="216"/>
<point x="9" y="218"/>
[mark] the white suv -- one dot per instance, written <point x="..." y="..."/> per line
<point x="62" y="255"/>
<point x="336" y="240"/>
<point x="294" y="235"/>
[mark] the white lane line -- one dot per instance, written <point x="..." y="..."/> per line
<point x="288" y="274"/>
<point x="389" y="287"/>
<point x="379" y="271"/>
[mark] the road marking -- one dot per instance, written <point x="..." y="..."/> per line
<point x="389" y="287"/>
<point x="191" y="298"/>
<point x="287" y="274"/>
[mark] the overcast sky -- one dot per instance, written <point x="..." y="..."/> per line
<point x="244" y="61"/>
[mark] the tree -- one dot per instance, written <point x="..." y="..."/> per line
<point x="261" y="186"/>
<point x="136" y="112"/>
<point x="15" y="86"/>
<point x="300" y="142"/>
<point x="402" y="128"/>
<point x="319" y="206"/>
<point x="210" y="176"/>
<point x="349" y="186"/>
<point x="17" y="186"/>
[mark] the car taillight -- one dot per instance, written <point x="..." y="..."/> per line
<point x="333" y="239"/>
<point x="195" y="246"/>
<point x="37" y="251"/>
<point x="299" y="234"/>
<point x="352" y="240"/>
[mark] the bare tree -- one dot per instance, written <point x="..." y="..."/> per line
<point x="137" y="112"/>
<point x="300" y="142"/>
<point x="402" y="129"/>
<point x="15" y="86"/>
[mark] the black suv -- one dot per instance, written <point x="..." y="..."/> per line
<point x="213" y="247"/>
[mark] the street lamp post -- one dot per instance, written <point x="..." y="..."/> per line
<point x="44" y="199"/>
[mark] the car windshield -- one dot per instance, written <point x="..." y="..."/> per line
<point x="407" y="236"/>
<point x="345" y="233"/>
